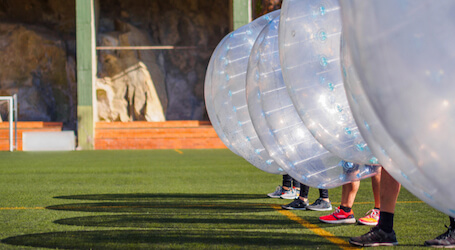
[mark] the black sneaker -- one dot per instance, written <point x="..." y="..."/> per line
<point x="297" y="204"/>
<point x="376" y="237"/>
<point x="320" y="205"/>
<point x="446" y="240"/>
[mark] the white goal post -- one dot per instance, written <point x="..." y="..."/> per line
<point x="12" y="109"/>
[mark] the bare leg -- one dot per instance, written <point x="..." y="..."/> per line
<point x="390" y="189"/>
<point x="376" y="184"/>
<point x="348" y="193"/>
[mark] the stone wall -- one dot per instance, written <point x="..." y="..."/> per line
<point x="37" y="41"/>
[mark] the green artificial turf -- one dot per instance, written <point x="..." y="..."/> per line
<point x="170" y="199"/>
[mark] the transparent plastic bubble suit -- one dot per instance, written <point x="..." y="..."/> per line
<point x="225" y="91"/>
<point x="393" y="159"/>
<point x="209" y="101"/>
<point x="405" y="62"/>
<point x="279" y="126"/>
<point x="309" y="40"/>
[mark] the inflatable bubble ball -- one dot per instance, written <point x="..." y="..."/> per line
<point x="404" y="59"/>
<point x="226" y="97"/>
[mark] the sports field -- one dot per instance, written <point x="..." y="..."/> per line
<point x="175" y="199"/>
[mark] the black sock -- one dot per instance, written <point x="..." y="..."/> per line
<point x="386" y="222"/>
<point x="346" y="209"/>
<point x="376" y="208"/>
<point x="452" y="222"/>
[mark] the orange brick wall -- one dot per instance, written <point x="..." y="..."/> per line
<point x="156" y="135"/>
<point x="25" y="127"/>
<point x="132" y="135"/>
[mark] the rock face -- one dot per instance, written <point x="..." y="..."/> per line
<point x="135" y="78"/>
<point x="36" y="66"/>
<point x="197" y="23"/>
<point x="38" y="51"/>
<point x="129" y="96"/>
<point x="262" y="7"/>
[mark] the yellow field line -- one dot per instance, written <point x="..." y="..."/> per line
<point x="315" y="229"/>
<point x="178" y="151"/>
<point x="21" y="208"/>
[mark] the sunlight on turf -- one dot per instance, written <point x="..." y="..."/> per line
<point x="315" y="229"/>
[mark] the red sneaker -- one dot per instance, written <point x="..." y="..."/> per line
<point x="338" y="217"/>
<point x="371" y="218"/>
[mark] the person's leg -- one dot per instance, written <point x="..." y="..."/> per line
<point x="376" y="186"/>
<point x="304" y="190"/>
<point x="371" y="218"/>
<point x="324" y="194"/>
<point x="446" y="239"/>
<point x="382" y="234"/>
<point x="295" y="184"/>
<point x="390" y="189"/>
<point x="344" y="214"/>
<point x="287" y="182"/>
<point x="348" y="194"/>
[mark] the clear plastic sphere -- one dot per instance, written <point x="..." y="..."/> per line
<point x="225" y="86"/>
<point x="279" y="126"/>
<point x="309" y="40"/>
<point x="379" y="140"/>
<point x="405" y="63"/>
<point x="209" y="100"/>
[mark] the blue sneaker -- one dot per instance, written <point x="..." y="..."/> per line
<point x="297" y="204"/>
<point x="290" y="194"/>
<point x="320" y="205"/>
<point x="279" y="190"/>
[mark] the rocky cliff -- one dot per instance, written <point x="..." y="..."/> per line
<point x="37" y="44"/>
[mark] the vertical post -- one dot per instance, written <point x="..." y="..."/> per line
<point x="11" y="112"/>
<point x="86" y="71"/>
<point x="241" y="13"/>
<point x="15" y="120"/>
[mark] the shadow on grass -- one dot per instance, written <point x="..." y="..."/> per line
<point x="193" y="221"/>
<point x="159" y="238"/>
<point x="172" y="221"/>
<point x="150" y="221"/>
<point x="156" y="203"/>
<point x="145" y="196"/>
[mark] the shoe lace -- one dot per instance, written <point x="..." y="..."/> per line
<point x="278" y="189"/>
<point x="372" y="234"/>
<point x="289" y="191"/>
<point x="447" y="234"/>
<point x="371" y="213"/>
<point x="317" y="202"/>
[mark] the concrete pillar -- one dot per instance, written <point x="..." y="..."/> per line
<point x="86" y="72"/>
<point x="241" y="13"/>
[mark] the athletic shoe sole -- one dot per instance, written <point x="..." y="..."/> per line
<point x="367" y="223"/>
<point x="273" y="196"/>
<point x="342" y="221"/>
<point x="292" y="208"/>
<point x="289" y="197"/>
<point x="377" y="244"/>
<point x="320" y="209"/>
<point x="440" y="246"/>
